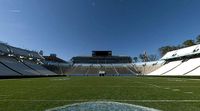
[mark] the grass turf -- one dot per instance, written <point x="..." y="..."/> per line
<point x="38" y="94"/>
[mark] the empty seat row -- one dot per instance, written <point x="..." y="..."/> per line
<point x="188" y="67"/>
<point x="11" y="66"/>
<point x="110" y="69"/>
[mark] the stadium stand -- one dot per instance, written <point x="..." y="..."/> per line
<point x="132" y="67"/>
<point x="194" y="72"/>
<point x="122" y="69"/>
<point x="93" y="69"/>
<point x="20" y="62"/>
<point x="19" y="52"/>
<point x="146" y="67"/>
<point x="101" y="63"/>
<point x="166" y="68"/>
<point x="4" y="49"/>
<point x="79" y="69"/>
<point x="57" y="65"/>
<point x="182" y="62"/>
<point x="111" y="70"/>
<point x="185" y="67"/>
<point x="36" y="55"/>
<point x="188" y="51"/>
<point x="6" y="71"/>
<point x="42" y="70"/>
<point x="18" y="66"/>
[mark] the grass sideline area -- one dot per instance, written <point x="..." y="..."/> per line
<point x="39" y="94"/>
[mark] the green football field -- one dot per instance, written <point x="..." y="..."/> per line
<point x="38" y="94"/>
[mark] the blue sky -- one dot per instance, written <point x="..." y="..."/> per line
<point x="76" y="27"/>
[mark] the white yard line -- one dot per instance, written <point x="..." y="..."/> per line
<point x="166" y="88"/>
<point x="161" y="87"/>
<point x="153" y="85"/>
<point x="188" y="92"/>
<point x="175" y="89"/>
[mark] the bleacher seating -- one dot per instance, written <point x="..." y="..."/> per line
<point x="132" y="67"/>
<point x="94" y="69"/>
<point x="36" y="55"/>
<point x="5" y="71"/>
<point x="7" y="49"/>
<point x="19" y="52"/>
<point x="147" y="67"/>
<point x="21" y="62"/>
<point x="194" y="72"/>
<point x="182" y="62"/>
<point x="79" y="69"/>
<point x="4" y="49"/>
<point x="166" y="68"/>
<point x="122" y="69"/>
<point x="18" y="66"/>
<point x="185" y="67"/>
<point x="110" y="70"/>
<point x="15" y="62"/>
<point x="40" y="69"/>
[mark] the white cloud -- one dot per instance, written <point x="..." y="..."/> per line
<point x="15" y="11"/>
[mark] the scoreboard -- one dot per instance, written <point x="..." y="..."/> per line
<point x="101" y="57"/>
<point x="101" y="53"/>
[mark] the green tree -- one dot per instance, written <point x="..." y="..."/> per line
<point x="163" y="50"/>
<point x="142" y="57"/>
<point x="152" y="57"/>
<point x="188" y="43"/>
<point x="198" y="39"/>
<point x="135" y="59"/>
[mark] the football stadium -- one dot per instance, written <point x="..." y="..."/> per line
<point x="85" y="55"/>
<point x="31" y="81"/>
